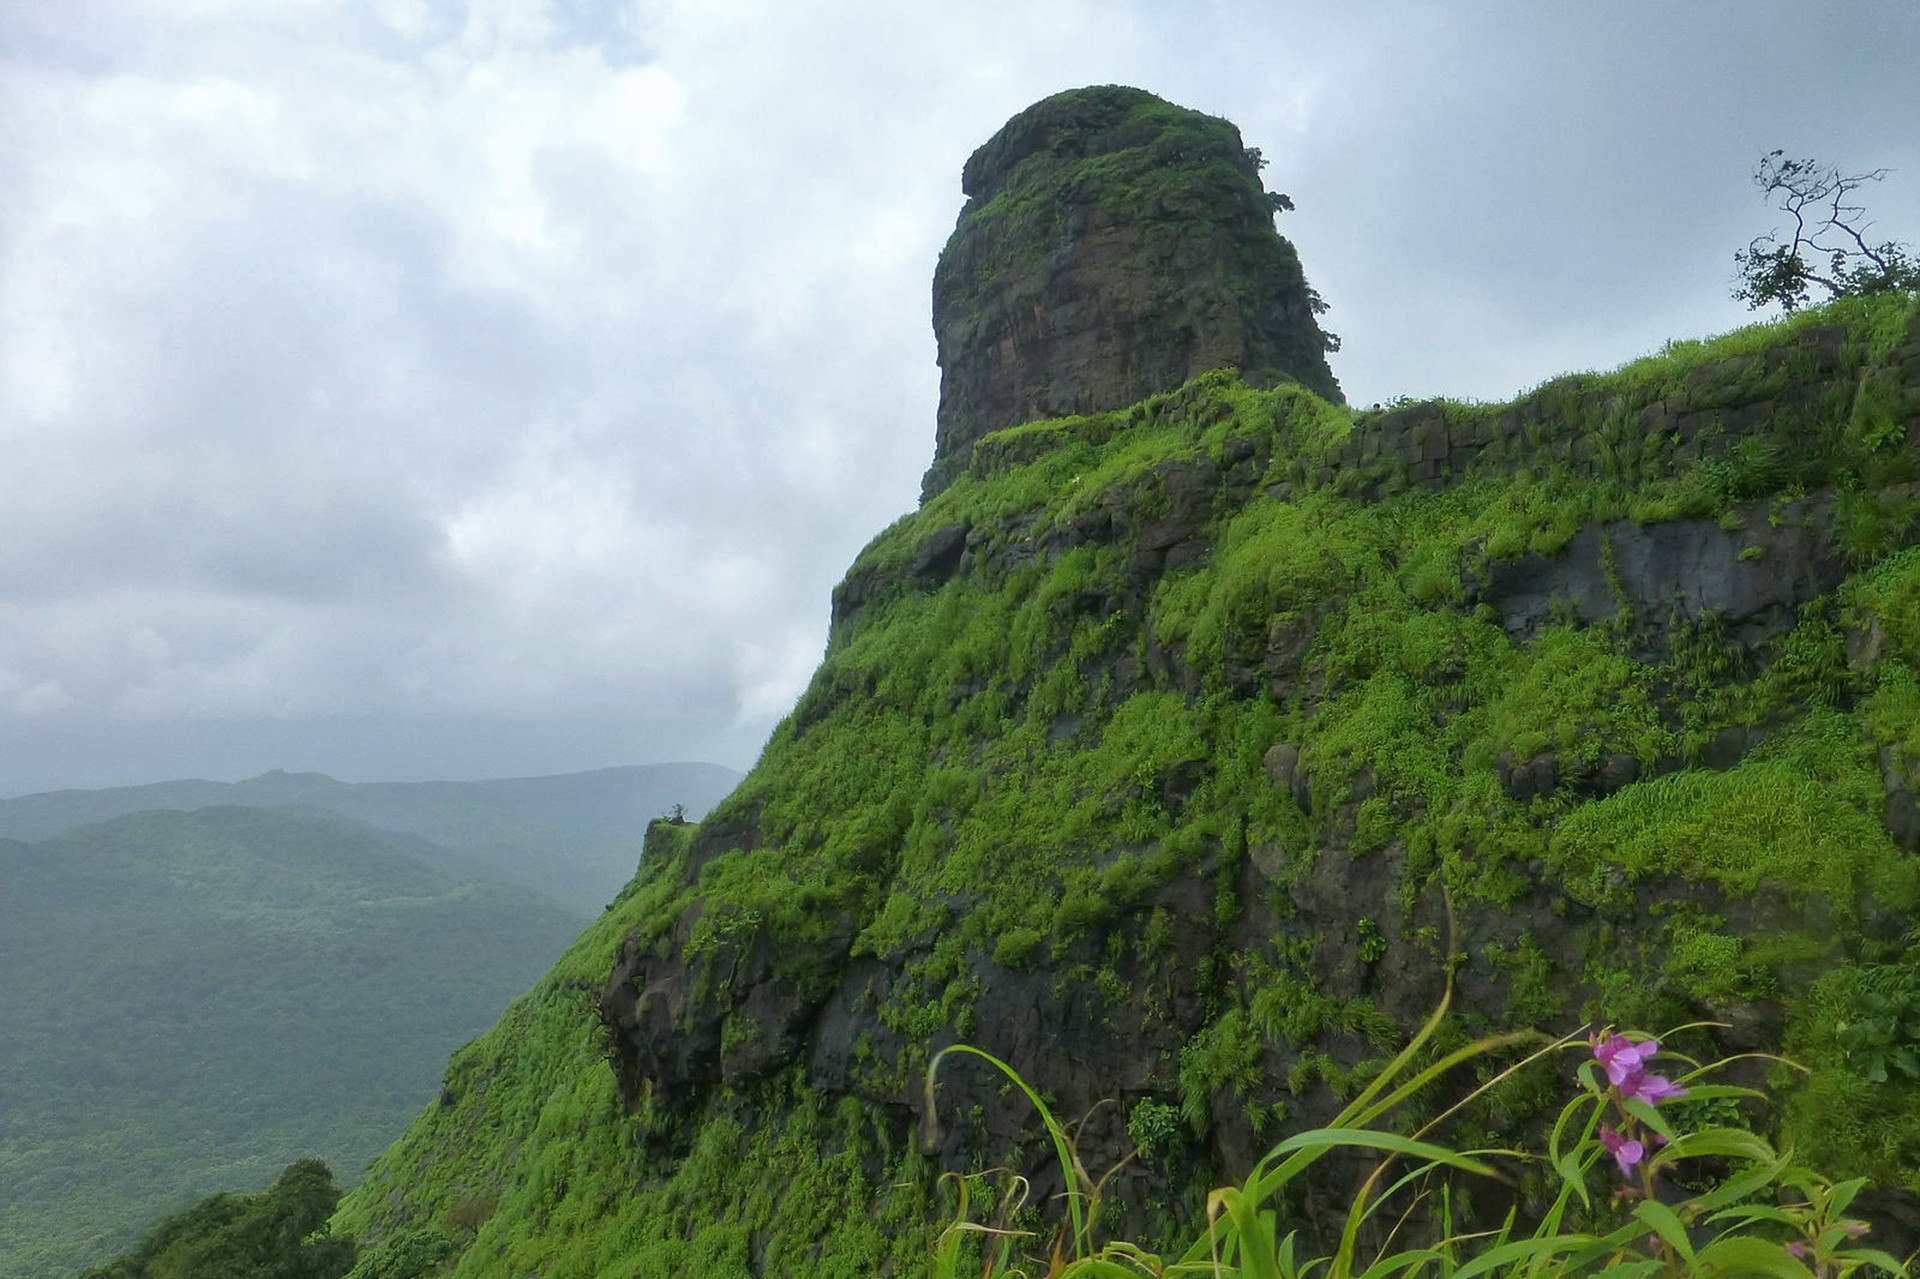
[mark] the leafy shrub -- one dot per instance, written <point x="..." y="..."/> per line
<point x="1153" y="1126"/>
<point x="279" y="1233"/>
<point x="1882" y="1030"/>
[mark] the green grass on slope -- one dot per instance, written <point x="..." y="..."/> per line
<point x="1022" y="763"/>
<point x="529" y="1161"/>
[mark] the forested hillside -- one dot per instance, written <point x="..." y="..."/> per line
<point x="195" y="999"/>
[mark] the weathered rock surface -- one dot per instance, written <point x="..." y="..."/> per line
<point x="1112" y="246"/>
<point x="1752" y="577"/>
<point x="1356" y="925"/>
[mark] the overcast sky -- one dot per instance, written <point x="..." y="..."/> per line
<point x="410" y="388"/>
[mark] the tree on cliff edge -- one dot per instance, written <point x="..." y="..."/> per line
<point x="1829" y="245"/>
<point x="277" y="1233"/>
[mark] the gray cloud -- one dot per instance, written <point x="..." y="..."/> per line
<point x="406" y="388"/>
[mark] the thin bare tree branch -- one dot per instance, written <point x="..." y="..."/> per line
<point x="1824" y="224"/>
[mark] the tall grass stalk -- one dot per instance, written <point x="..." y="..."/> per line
<point x="1763" y="1216"/>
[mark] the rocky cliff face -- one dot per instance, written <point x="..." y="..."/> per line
<point x="1177" y="754"/>
<point x="1176" y="827"/>
<point x="1113" y="246"/>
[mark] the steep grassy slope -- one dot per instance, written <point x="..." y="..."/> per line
<point x="1176" y="754"/>
<point x="574" y="837"/>
<point x="193" y="1000"/>
<point x="530" y="1161"/>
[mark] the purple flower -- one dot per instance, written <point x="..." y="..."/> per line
<point x="1626" y="1065"/>
<point x="1798" y="1248"/>
<point x="1625" y="1151"/>
<point x="1621" y="1058"/>
<point x="1652" y="1089"/>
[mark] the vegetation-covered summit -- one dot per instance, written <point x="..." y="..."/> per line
<point x="1113" y="245"/>
<point x="1176" y="755"/>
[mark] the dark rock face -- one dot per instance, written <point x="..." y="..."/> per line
<point x="1116" y="246"/>
<point x="1754" y="577"/>
<point x="1274" y="953"/>
<point x="729" y="1015"/>
<point x="1113" y="246"/>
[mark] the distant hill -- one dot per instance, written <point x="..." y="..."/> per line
<point x="194" y="999"/>
<point x="575" y="837"/>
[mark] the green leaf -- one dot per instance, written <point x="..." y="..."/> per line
<point x="1736" y="1188"/>
<point x="1651" y="1117"/>
<point x="1842" y="1194"/>
<point x="1729" y="1143"/>
<point x="1572" y="1169"/>
<point x="1402" y="1261"/>
<point x="1521" y="1250"/>
<point x="1631" y="1269"/>
<point x="1665" y="1224"/>
<point x="1745" y="1255"/>
<point x="1714" y="1092"/>
<point x="1288" y="1266"/>
<point x="1746" y="1214"/>
<point x="1556" y="1139"/>
<point x="1874" y="1257"/>
<point x="1254" y="1230"/>
<point x="1101" y="1268"/>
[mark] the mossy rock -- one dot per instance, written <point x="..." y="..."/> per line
<point x="1185" y="782"/>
